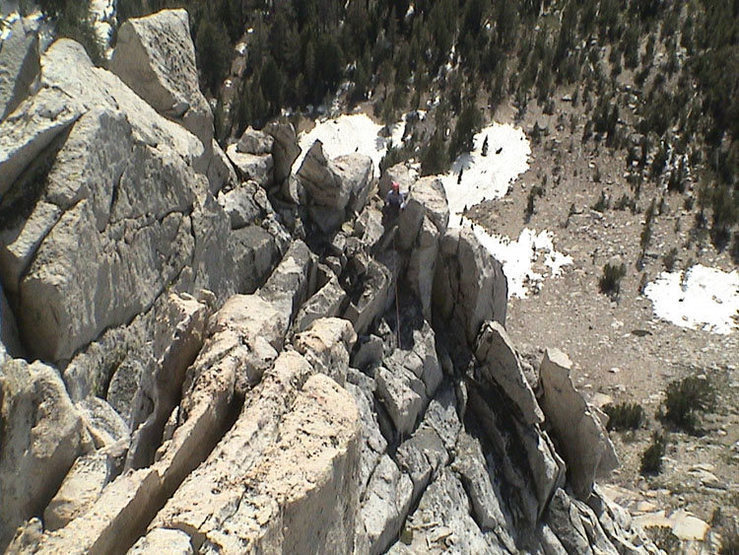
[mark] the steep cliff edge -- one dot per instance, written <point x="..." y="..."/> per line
<point x="265" y="363"/>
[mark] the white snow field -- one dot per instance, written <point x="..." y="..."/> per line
<point x="519" y="256"/>
<point x="699" y="298"/>
<point x="486" y="177"/>
<point x="347" y="134"/>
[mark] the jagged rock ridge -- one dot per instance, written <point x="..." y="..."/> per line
<point x="248" y="361"/>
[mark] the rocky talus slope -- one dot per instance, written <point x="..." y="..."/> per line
<point x="231" y="358"/>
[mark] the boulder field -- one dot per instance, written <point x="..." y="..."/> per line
<point x="202" y="352"/>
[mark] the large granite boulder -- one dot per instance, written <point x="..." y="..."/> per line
<point x="113" y="226"/>
<point x="386" y="504"/>
<point x="326" y="345"/>
<point x="501" y="364"/>
<point x="155" y="56"/>
<point x="335" y="188"/>
<point x="19" y="65"/>
<point x="43" y="434"/>
<point x="469" y="286"/>
<point x="32" y="128"/>
<point x="285" y="149"/>
<point x="288" y="466"/>
<point x="583" y="440"/>
<point x="124" y="506"/>
<point x="255" y="167"/>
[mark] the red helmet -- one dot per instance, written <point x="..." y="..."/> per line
<point x="396" y="186"/>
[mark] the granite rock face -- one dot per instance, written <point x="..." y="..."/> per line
<point x="216" y="383"/>
<point x="19" y="65"/>
<point x="587" y="449"/>
<point x="155" y="56"/>
<point x="43" y="434"/>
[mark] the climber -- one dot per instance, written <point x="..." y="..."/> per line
<point x="395" y="201"/>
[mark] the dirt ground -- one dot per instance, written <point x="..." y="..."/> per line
<point x="621" y="351"/>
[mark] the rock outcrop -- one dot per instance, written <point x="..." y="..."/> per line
<point x="156" y="58"/>
<point x="43" y="434"/>
<point x="335" y="188"/>
<point x="583" y="439"/>
<point x="259" y="364"/>
<point x="19" y="65"/>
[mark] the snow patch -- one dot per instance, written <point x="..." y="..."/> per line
<point x="700" y="298"/>
<point x="486" y="177"/>
<point x="519" y="258"/>
<point x="347" y="134"/>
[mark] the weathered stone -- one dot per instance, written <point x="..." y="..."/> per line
<point x="443" y="521"/>
<point x="422" y="359"/>
<point x="368" y="353"/>
<point x="550" y="543"/>
<point x="422" y="456"/>
<point x="58" y="315"/>
<point x="19" y="65"/>
<point x="30" y="129"/>
<point x="368" y="226"/>
<point x="130" y="388"/>
<point x="356" y="172"/>
<point x="429" y="193"/>
<point x="43" y="434"/>
<point x="328" y="301"/>
<point x="370" y="303"/>
<point x="498" y="423"/>
<point x="155" y="56"/>
<point x="386" y="504"/>
<point x="618" y="525"/>
<point x="576" y="526"/>
<point x="124" y="506"/>
<point x="285" y="149"/>
<point x="79" y="490"/>
<point x="586" y="446"/>
<point x="441" y="416"/>
<point x="255" y="167"/>
<point x="293" y="281"/>
<point x="403" y="395"/>
<point x="163" y="540"/>
<point x="373" y="443"/>
<point x="422" y="265"/>
<point x="243" y="205"/>
<point x="256" y="253"/>
<point x="546" y="467"/>
<point x="104" y="424"/>
<point x="180" y="339"/>
<point x="469" y="286"/>
<point x="221" y="173"/>
<point x="292" y="483"/>
<point x="501" y="364"/>
<point x="19" y="243"/>
<point x="320" y="181"/>
<point x="253" y="331"/>
<point x="255" y="142"/>
<point x="27" y="536"/>
<point x="335" y="187"/>
<point x="326" y="345"/>
<point x="484" y="492"/>
<point x="134" y="212"/>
